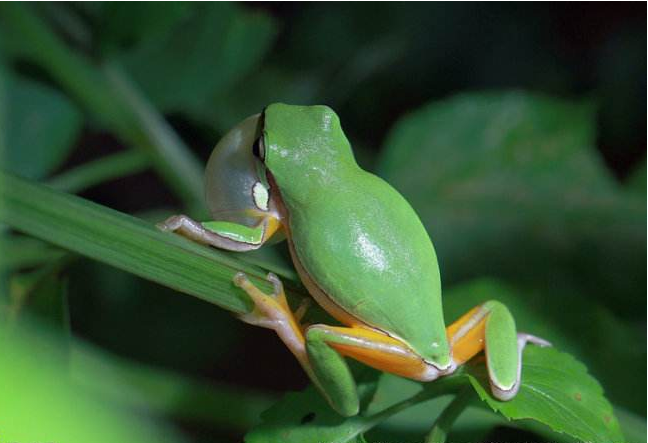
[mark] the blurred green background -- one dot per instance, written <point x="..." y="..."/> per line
<point x="517" y="131"/>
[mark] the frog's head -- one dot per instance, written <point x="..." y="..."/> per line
<point x="305" y="149"/>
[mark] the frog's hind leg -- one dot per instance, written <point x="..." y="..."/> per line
<point x="369" y="346"/>
<point x="490" y="327"/>
<point x="327" y="345"/>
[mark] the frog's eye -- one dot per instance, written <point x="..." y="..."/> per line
<point x="258" y="149"/>
<point x="235" y="185"/>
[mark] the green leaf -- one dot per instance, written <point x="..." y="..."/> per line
<point x="41" y="128"/>
<point x="36" y="388"/>
<point x="509" y="185"/>
<point x="556" y="390"/>
<point x="127" y="243"/>
<point x="212" y="47"/>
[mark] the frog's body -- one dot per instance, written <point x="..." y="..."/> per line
<point x="378" y="249"/>
<point x="362" y="253"/>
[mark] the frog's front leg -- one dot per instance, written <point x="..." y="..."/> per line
<point x="490" y="327"/>
<point x="222" y="234"/>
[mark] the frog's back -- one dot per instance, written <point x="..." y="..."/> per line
<point x="355" y="235"/>
<point x="367" y="249"/>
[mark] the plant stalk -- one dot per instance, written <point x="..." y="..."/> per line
<point x="444" y="422"/>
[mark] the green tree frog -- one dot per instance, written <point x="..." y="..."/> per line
<point x="360" y="250"/>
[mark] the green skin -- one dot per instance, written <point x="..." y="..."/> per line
<point x="361" y="243"/>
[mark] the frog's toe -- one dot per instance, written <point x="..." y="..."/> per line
<point x="258" y="297"/>
<point x="276" y="284"/>
<point x="524" y="338"/>
<point x="241" y="280"/>
<point x="171" y="224"/>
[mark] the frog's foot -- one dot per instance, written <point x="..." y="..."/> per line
<point x="273" y="312"/>
<point x="490" y="327"/>
<point x="522" y="340"/>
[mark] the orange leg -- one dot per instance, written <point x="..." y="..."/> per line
<point x="466" y="335"/>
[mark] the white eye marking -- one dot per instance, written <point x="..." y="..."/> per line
<point x="260" y="196"/>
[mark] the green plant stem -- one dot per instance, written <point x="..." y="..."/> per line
<point x="444" y="422"/>
<point x="98" y="171"/>
<point x="129" y="243"/>
<point x="443" y="386"/>
<point x="111" y="98"/>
